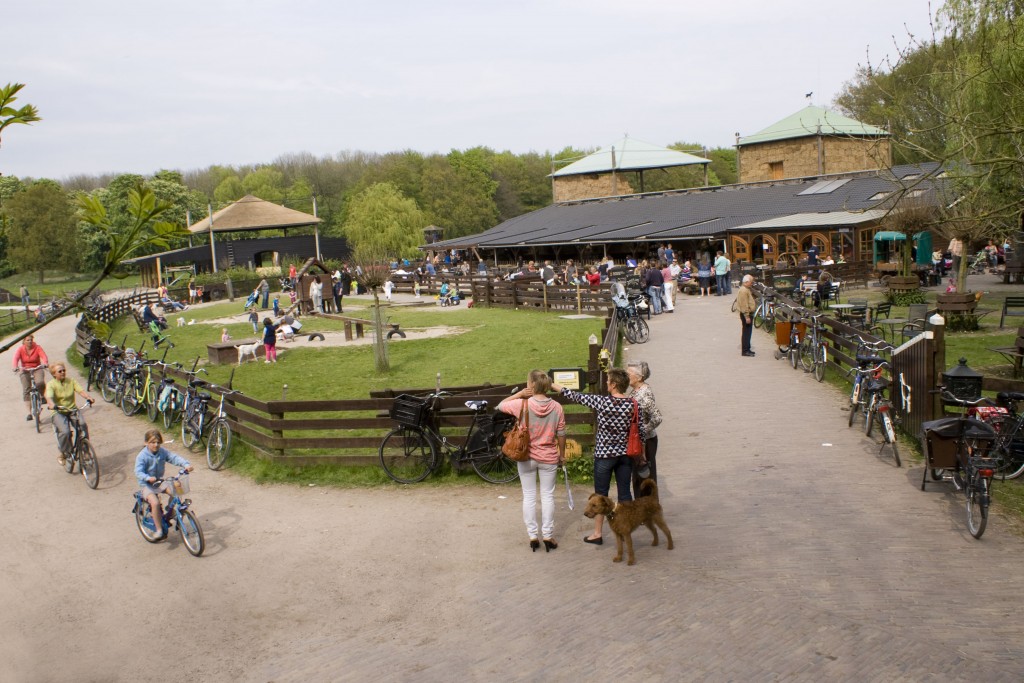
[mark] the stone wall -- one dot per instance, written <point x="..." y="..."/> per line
<point x="799" y="157"/>
<point x="571" y="188"/>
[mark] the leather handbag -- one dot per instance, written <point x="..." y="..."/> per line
<point x="634" y="447"/>
<point x="517" y="440"/>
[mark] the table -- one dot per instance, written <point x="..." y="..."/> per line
<point x="841" y="309"/>
<point x="890" y="324"/>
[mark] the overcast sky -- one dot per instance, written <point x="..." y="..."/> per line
<point x="140" y="86"/>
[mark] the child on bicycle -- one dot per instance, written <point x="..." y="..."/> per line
<point x="60" y="398"/>
<point x="149" y="467"/>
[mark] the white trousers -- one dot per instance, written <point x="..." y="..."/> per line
<point x="670" y="296"/>
<point x="528" y="473"/>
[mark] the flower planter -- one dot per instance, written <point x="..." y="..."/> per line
<point x="899" y="284"/>
<point x="956" y="302"/>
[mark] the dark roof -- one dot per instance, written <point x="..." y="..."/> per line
<point x="706" y="211"/>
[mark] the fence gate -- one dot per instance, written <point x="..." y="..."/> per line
<point x="911" y="362"/>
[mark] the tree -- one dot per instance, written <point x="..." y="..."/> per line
<point x="383" y="224"/>
<point x="42" y="229"/>
<point x="8" y="114"/>
<point x="458" y="192"/>
<point x="144" y="232"/>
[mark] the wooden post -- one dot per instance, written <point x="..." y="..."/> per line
<point x="544" y="287"/>
<point x="936" y="367"/>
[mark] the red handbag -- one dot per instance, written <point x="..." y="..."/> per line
<point x="634" y="446"/>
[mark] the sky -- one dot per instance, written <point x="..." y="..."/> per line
<point x="142" y="86"/>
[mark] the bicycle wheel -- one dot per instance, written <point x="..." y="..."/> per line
<point x="218" y="445"/>
<point x="171" y="413"/>
<point x="495" y="467"/>
<point x="889" y="432"/>
<point x="807" y="354"/>
<point x="152" y="401"/>
<point x="759" y="317"/>
<point x="869" y="418"/>
<point x="820" y="361"/>
<point x="88" y="463"/>
<point x="144" y="520"/>
<point x="769" y="322"/>
<point x="36" y="410"/>
<point x="111" y="383"/>
<point x="191" y="533"/>
<point x="407" y="455"/>
<point x="794" y="355"/>
<point x="191" y="429"/>
<point x="977" y="506"/>
<point x="629" y="330"/>
<point x="642" y="332"/>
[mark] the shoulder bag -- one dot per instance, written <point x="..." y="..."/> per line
<point x="517" y="440"/>
<point x="634" y="447"/>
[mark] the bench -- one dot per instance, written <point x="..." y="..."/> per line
<point x="1014" y="305"/>
<point x="137" y="316"/>
<point x="226" y="353"/>
<point x="1015" y="353"/>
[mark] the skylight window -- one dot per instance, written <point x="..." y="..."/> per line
<point x="825" y="187"/>
<point x="878" y="196"/>
<point x="912" y="176"/>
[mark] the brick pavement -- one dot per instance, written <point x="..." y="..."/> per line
<point x="794" y="559"/>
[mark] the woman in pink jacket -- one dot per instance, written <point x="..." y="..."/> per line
<point x="547" y="452"/>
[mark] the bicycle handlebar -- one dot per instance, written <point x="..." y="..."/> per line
<point x="881" y="344"/>
<point x="947" y="396"/>
<point x="867" y="371"/>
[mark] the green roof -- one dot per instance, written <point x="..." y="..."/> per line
<point x="629" y="154"/>
<point x="812" y="121"/>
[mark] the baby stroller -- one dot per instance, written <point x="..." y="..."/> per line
<point x="253" y="298"/>
<point x="978" y="264"/>
<point x="158" y="336"/>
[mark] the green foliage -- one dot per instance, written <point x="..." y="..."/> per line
<point x="42" y="229"/>
<point x="9" y="115"/>
<point x="905" y="298"/>
<point x="458" y="192"/>
<point x="962" y="322"/>
<point x="229" y="190"/>
<point x="383" y="224"/>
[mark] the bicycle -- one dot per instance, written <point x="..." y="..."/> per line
<point x="410" y="452"/>
<point x="138" y="391"/>
<point x="792" y="349"/>
<point x="178" y="509"/>
<point x="172" y="399"/>
<point x="218" y="443"/>
<point x="866" y="366"/>
<point x="196" y="421"/>
<point x="888" y="417"/>
<point x="35" y="399"/>
<point x="81" y="450"/>
<point x="973" y="466"/>
<point x="814" y="349"/>
<point x="1007" y="422"/>
<point x="764" y="314"/>
<point x="634" y="327"/>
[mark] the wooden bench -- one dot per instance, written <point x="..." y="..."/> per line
<point x="1015" y="353"/>
<point x="1014" y="305"/>
<point x="137" y="316"/>
<point x="226" y="353"/>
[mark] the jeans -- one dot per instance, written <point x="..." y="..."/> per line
<point x="655" y="293"/>
<point x="62" y="423"/>
<point x="722" y="283"/>
<point x="747" y="329"/>
<point x="650" y="452"/>
<point x="622" y="467"/>
<point x="266" y="299"/>
<point x="528" y="473"/>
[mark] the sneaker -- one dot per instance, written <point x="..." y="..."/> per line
<point x="62" y="461"/>
<point x="267" y="362"/>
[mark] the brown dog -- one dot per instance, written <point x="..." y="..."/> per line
<point x="623" y="518"/>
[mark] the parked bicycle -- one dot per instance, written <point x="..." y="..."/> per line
<point x="177" y="509"/>
<point x="1008" y="423"/>
<point x="172" y="398"/>
<point x="764" y="314"/>
<point x="411" y="451"/>
<point x="790" y="317"/>
<point x="972" y="465"/>
<point x="218" y="441"/>
<point x="814" y="348"/>
<point x="869" y="365"/>
<point x="880" y="409"/>
<point x="634" y="327"/>
<point x="80" y="450"/>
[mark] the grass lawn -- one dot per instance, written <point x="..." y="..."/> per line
<point x="496" y="345"/>
<point x="57" y="283"/>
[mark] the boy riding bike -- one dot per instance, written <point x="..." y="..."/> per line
<point x="149" y="468"/>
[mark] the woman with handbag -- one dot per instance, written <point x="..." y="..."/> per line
<point x="650" y="415"/>
<point x="616" y="413"/>
<point x="544" y="421"/>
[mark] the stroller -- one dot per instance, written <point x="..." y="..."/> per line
<point x="253" y="298"/>
<point x="979" y="264"/>
<point x="158" y="336"/>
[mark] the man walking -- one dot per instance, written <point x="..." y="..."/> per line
<point x="746" y="306"/>
<point x="722" y="274"/>
<point x="655" y="287"/>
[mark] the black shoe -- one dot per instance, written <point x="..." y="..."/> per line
<point x="750" y="354"/>
<point x="534" y="544"/>
<point x="28" y="418"/>
<point x="549" y="545"/>
<point x="596" y="541"/>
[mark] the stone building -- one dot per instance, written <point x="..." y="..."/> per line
<point x="812" y="142"/>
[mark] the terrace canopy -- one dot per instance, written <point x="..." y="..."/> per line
<point x="252" y="213"/>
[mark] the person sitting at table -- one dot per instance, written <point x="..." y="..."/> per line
<point x="823" y="290"/>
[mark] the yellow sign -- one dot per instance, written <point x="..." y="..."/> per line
<point x="570" y="378"/>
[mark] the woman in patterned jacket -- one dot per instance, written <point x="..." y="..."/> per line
<point x="614" y="414"/>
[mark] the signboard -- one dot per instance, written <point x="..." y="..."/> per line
<point x="570" y="378"/>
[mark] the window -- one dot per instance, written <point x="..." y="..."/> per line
<point x="775" y="170"/>
<point x="878" y="196"/>
<point x="865" y="244"/>
<point x="739" y="248"/>
<point x="825" y="187"/>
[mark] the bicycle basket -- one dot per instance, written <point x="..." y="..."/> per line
<point x="179" y="486"/>
<point x="409" y="411"/>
